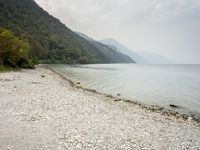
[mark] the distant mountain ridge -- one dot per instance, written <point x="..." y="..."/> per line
<point x="139" y="57"/>
<point x="49" y="39"/>
<point x="109" y="51"/>
<point x="121" y="48"/>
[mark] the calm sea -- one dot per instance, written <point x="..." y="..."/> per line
<point x="150" y="84"/>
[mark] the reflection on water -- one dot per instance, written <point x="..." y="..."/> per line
<point x="150" y="84"/>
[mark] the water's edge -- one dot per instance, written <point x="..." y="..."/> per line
<point x="153" y="108"/>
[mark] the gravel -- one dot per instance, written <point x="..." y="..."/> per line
<point x="39" y="110"/>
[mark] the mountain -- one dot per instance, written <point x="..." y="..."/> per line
<point x="121" y="48"/>
<point x="110" y="52"/>
<point x="49" y="39"/>
<point x="85" y="36"/>
<point x="140" y="57"/>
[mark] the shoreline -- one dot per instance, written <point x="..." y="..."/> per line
<point x="153" y="108"/>
<point x="39" y="109"/>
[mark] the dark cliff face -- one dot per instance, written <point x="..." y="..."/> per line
<point x="49" y="39"/>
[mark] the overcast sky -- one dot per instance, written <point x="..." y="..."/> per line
<point x="167" y="27"/>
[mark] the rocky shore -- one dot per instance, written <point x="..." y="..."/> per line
<point x="41" y="110"/>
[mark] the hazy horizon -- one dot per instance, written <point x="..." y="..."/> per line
<point x="167" y="28"/>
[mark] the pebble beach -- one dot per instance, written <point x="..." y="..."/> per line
<point x="40" y="110"/>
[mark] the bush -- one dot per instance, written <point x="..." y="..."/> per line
<point x="83" y="60"/>
<point x="13" y="51"/>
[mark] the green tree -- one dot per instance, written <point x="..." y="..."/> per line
<point x="13" y="51"/>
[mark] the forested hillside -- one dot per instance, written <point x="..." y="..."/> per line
<point x="49" y="39"/>
<point x="110" y="52"/>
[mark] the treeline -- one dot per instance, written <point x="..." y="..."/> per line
<point x="13" y="51"/>
<point x="49" y="40"/>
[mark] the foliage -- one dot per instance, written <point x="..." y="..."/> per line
<point x="3" y="69"/>
<point x="48" y="38"/>
<point x="13" y="51"/>
<point x="83" y="60"/>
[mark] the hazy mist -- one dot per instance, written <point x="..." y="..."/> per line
<point x="169" y="28"/>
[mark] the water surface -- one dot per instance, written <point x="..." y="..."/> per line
<point x="150" y="84"/>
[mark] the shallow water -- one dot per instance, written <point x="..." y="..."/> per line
<point x="150" y="84"/>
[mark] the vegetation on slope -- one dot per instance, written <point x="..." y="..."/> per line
<point x="49" y="40"/>
<point x="13" y="51"/>
<point x="110" y="52"/>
